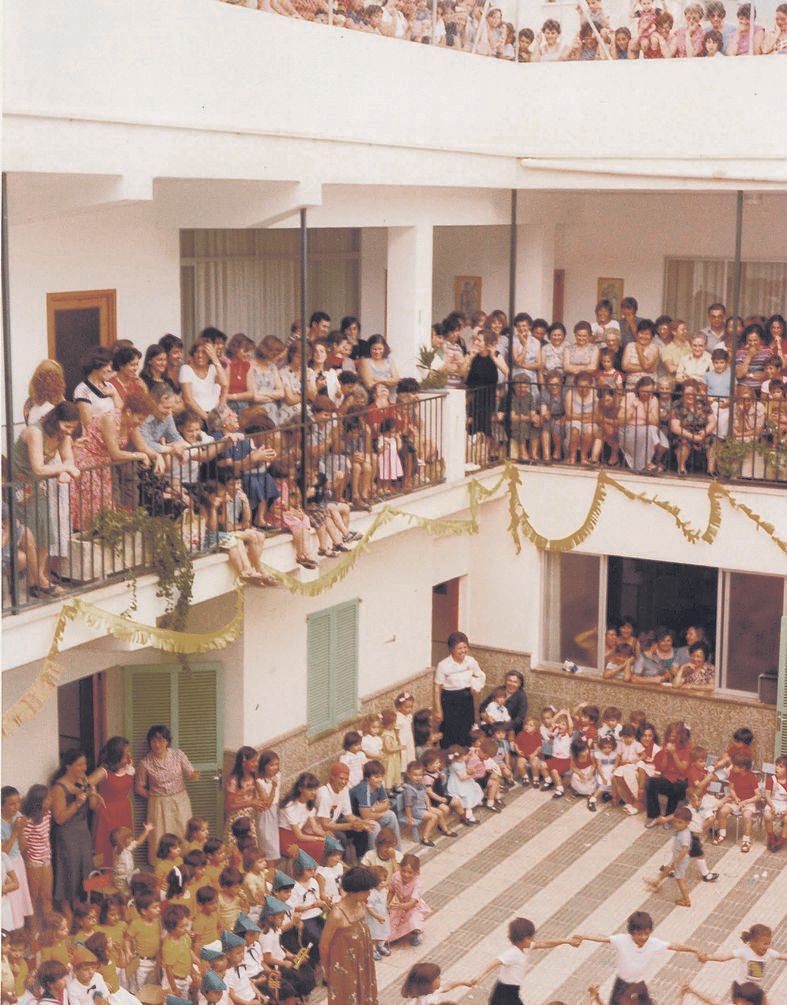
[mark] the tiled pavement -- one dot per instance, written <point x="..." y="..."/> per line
<point x="568" y="870"/>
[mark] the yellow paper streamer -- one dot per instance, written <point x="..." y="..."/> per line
<point x="519" y="526"/>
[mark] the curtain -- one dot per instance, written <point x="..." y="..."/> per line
<point x="763" y="288"/>
<point x="691" y="285"/>
<point x="254" y="296"/>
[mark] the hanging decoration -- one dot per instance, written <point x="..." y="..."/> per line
<point x="520" y="527"/>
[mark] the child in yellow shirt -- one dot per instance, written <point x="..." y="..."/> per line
<point x="205" y="926"/>
<point x="144" y="937"/>
<point x="178" y="963"/>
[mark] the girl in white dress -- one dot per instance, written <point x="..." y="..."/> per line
<point x="269" y="788"/>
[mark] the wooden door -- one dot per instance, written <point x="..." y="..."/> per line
<point x="76" y="322"/>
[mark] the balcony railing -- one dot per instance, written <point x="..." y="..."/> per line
<point x="530" y="31"/>
<point x="367" y="457"/>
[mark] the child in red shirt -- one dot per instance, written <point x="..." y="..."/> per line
<point x="742" y="799"/>
<point x="528" y="745"/>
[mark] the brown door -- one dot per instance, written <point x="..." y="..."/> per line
<point x="75" y="323"/>
<point x="445" y="616"/>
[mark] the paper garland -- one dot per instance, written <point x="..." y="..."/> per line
<point x="519" y="526"/>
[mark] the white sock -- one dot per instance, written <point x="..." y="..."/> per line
<point x="702" y="865"/>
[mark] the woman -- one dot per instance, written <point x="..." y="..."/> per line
<point x="240" y="393"/>
<point x="694" y="633"/>
<point x="516" y="700"/>
<point x="692" y="425"/>
<point x="114" y="780"/>
<point x="697" y="674"/>
<point x="263" y="378"/>
<point x="326" y="379"/>
<point x="161" y="780"/>
<point x="455" y="679"/>
<point x="203" y="381"/>
<point x="346" y="950"/>
<point x="111" y="438"/>
<point x="672" y="763"/>
<point x="72" y="793"/>
<point x="45" y="451"/>
<point x="641" y="357"/>
<point x="173" y="347"/>
<point x="298" y="818"/>
<point x="95" y="395"/>
<point x="125" y="363"/>
<point x="748" y="427"/>
<point x="290" y="408"/>
<point x="268" y="788"/>
<point x="754" y="352"/>
<point x="776" y="326"/>
<point x="241" y="798"/>
<point x="154" y="372"/>
<point x="481" y="379"/>
<point x="642" y="442"/>
<point x="582" y="356"/>
<point x="379" y="367"/>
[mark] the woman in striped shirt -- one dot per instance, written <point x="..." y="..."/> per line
<point x="36" y="808"/>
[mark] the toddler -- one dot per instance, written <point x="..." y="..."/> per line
<point x="492" y="780"/>
<point x="583" y="769"/>
<point x="775" y="812"/>
<point x="417" y="811"/>
<point x="646" y="13"/>
<point x="505" y="753"/>
<point x="372" y="740"/>
<point x="389" y="464"/>
<point x="405" y="903"/>
<point x="461" y="784"/>
<point x="741" y="799"/>
<point x="435" y="782"/>
<point x="559" y="762"/>
<point x="496" y="710"/>
<point x="353" y="756"/>
<point x="377" y="914"/>
<point x="123" y="846"/>
<point x="606" y="760"/>
<point x="528" y="746"/>
<point x="255" y="882"/>
<point x="610" y="722"/>
<point x="404" y="704"/>
<point x="392" y="751"/>
<point x="678" y="866"/>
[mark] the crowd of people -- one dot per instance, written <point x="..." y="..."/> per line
<point x="319" y="880"/>
<point x="650" y="31"/>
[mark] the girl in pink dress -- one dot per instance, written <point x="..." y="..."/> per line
<point x="389" y="465"/>
<point x="406" y="906"/>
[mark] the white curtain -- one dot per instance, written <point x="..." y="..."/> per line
<point x="691" y="285"/>
<point x="763" y="288"/>
<point x="254" y="296"/>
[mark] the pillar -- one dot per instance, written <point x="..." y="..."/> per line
<point x="535" y="268"/>
<point x="409" y="293"/>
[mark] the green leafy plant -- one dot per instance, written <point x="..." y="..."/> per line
<point x="164" y="552"/>
<point x="433" y="378"/>
<point x="730" y="455"/>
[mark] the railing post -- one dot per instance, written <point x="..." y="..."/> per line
<point x="304" y="380"/>
<point x="736" y="297"/>
<point x="8" y="391"/>
<point x="454" y="433"/>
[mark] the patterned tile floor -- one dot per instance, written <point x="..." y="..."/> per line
<point x="572" y="871"/>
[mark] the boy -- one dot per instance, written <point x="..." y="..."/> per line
<point x="638" y="952"/>
<point x="216" y="854"/>
<point x="144" y="935"/>
<point x="528" y="745"/>
<point x="679" y="865"/>
<point x="514" y="962"/>
<point x="742" y="799"/>
<point x="611" y="724"/>
<point x="178" y="962"/>
<point x="86" y="986"/>
<point x="504" y="751"/>
<point x="213" y="990"/>
<point x="205" y="924"/>
<point x="232" y="900"/>
<point x="717" y="381"/>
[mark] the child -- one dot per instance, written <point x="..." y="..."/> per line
<point x="606" y="760"/>
<point x="713" y="46"/>
<point x="775" y="813"/>
<point x="241" y="990"/>
<point x="406" y="905"/>
<point x="547" y="730"/>
<point x="211" y="502"/>
<point x="559" y="762"/>
<point x="583" y="769"/>
<point x="53" y="939"/>
<point x="389" y="465"/>
<point x="638" y="952"/>
<point x="177" y="961"/>
<point x="274" y="912"/>
<point x="286" y="512"/>
<point x="754" y="955"/>
<point x="492" y="780"/>
<point x="629" y="751"/>
<point x="741" y="799"/>
<point x="216" y="854"/>
<point x="742" y="743"/>
<point x="255" y="884"/>
<point x="13" y="827"/>
<point x="144" y="934"/>
<point x="213" y="990"/>
<point x="622" y="43"/>
<point x="689" y="41"/>
<point x="646" y="15"/>
<point x="14" y="945"/>
<point x="553" y="416"/>
<point x="436" y="793"/>
<point x="621" y="661"/>
<point x="528" y="744"/>
<point x="417" y="812"/>
<point x="353" y="756"/>
<point x="496" y="710"/>
<point x="461" y="784"/>
<point x="742" y="994"/>
<point x="168" y="855"/>
<point x="424" y="733"/>
<point x="586" y="718"/>
<point x="250" y="931"/>
<point x="178" y="883"/>
<point x="610" y="722"/>
<point x="124" y="844"/>
<point x="505" y="753"/>
<point x="205" y="923"/>
<point x="197" y="833"/>
<point x="332" y="869"/>
<point x="372" y="740"/>
<point x="52" y="976"/>
<point x="607" y="375"/>
<point x="268" y="789"/>
<point x="83" y="922"/>
<point x="86" y="985"/>
<point x="514" y="962"/>
<point x="384" y="853"/>
<point x="679" y="865"/>
<point x="392" y="751"/>
<point x="102" y="948"/>
<point x="404" y="704"/>
<point x="306" y="902"/>
<point x="377" y="917"/>
<point x="37" y="813"/>
<point x="236" y="519"/>
<point x="232" y="899"/>
<point x="423" y="984"/>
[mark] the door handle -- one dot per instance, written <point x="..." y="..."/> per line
<point x="218" y="777"/>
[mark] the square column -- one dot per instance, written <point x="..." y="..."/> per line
<point x="535" y="267"/>
<point x="409" y="293"/>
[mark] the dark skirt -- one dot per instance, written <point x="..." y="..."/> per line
<point x="505" y="994"/>
<point x="458" y="717"/>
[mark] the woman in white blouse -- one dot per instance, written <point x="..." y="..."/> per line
<point x="456" y="678"/>
<point x="203" y="380"/>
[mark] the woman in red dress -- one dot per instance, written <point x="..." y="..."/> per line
<point x="114" y="779"/>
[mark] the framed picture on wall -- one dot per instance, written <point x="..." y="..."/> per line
<point x="612" y="290"/>
<point x="467" y="294"/>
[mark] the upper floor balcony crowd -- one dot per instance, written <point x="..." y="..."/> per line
<point x="218" y="440"/>
<point x="519" y="32"/>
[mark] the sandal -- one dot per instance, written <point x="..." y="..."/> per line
<point x="307" y="563"/>
<point x="745" y="846"/>
<point x="720" y="836"/>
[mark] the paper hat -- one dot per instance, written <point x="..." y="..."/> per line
<point x="177" y="1000"/>
<point x="273" y="905"/>
<point x="282" y="881"/>
<point x="212" y="951"/>
<point x="151" y="994"/>
<point x="212" y="982"/>
<point x="231" y="941"/>
<point x="331" y="845"/>
<point x="304" y="860"/>
<point x="83" y="955"/>
<point x="245" y="924"/>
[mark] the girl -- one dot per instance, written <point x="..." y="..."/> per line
<point x="423" y="984"/>
<point x="754" y="955"/>
<point x="461" y="785"/>
<point x="168" y="855"/>
<point x="255" y="883"/>
<point x="372" y="740"/>
<point x="405" y="903"/>
<point x="742" y="994"/>
<point x="307" y="903"/>
<point x="83" y="922"/>
<point x="389" y="464"/>
<point x="392" y="751"/>
<point x="377" y="917"/>
<point x="630" y="751"/>
<point x="38" y="848"/>
<point x="608" y="423"/>
<point x="177" y="891"/>
<point x="298" y="817"/>
<point x="435" y="780"/>
<point x="331" y="871"/>
<point x="13" y="837"/>
<point x="123" y="847"/>
<point x="528" y="746"/>
<point x="286" y="512"/>
<point x="583" y="769"/>
<point x="269" y="788"/>
<point x="197" y="833"/>
<point x="775" y="812"/>
<point x="53" y="939"/>
<point x="404" y="704"/>
<point x="606" y="759"/>
<point x="112" y="925"/>
<point x="555" y="766"/>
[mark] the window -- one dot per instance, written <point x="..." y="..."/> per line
<point x="332" y="666"/>
<point x="753" y="613"/>
<point x="691" y="285"/>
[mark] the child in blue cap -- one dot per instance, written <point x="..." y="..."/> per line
<point x="274" y="911"/>
<point x="331" y="871"/>
<point x="307" y="903"/>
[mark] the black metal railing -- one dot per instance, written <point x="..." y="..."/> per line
<point x="75" y="535"/>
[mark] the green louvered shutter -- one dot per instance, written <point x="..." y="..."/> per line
<point x="781" y="695"/>
<point x="148" y="701"/>
<point x="345" y="661"/>
<point x="200" y="737"/>
<point x="318" y="671"/>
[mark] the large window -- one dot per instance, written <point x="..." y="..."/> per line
<point x="692" y="284"/>
<point x="740" y="612"/>
<point x="332" y="666"/>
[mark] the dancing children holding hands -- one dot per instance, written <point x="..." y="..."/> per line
<point x="754" y="955"/>
<point x="423" y="984"/>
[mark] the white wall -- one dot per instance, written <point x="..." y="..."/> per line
<point x="470" y="251"/>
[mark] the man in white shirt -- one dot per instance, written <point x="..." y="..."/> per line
<point x="714" y="330"/>
<point x="334" y="810"/>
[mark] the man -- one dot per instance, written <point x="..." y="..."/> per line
<point x="628" y="320"/>
<point x="714" y="330"/>
<point x="334" y="808"/>
<point x="319" y="327"/>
